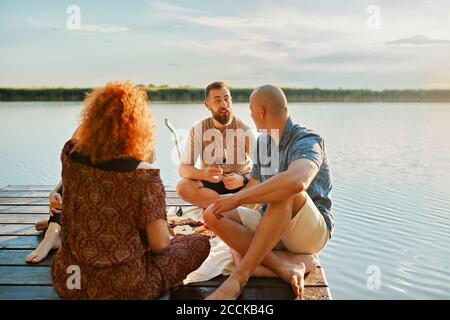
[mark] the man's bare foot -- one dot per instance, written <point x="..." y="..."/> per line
<point x="259" y="272"/>
<point x="294" y="274"/>
<point x="230" y="289"/>
<point x="310" y="261"/>
<point x="52" y="240"/>
<point x="41" y="225"/>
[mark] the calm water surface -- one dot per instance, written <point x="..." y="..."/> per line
<point x="391" y="168"/>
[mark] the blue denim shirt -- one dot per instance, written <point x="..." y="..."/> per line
<point x="296" y="143"/>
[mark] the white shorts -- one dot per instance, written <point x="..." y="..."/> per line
<point x="307" y="232"/>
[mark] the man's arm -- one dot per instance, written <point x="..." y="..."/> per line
<point x="189" y="157"/>
<point x="282" y="186"/>
<point x="188" y="171"/>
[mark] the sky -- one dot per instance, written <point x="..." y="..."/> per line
<point x="324" y="43"/>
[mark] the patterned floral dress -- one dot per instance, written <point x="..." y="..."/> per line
<point x="103" y="219"/>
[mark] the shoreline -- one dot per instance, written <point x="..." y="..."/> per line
<point x="190" y="94"/>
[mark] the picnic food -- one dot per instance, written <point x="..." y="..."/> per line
<point x="184" y="222"/>
<point x="203" y="231"/>
<point x="189" y="226"/>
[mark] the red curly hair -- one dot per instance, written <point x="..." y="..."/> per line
<point x="116" y="123"/>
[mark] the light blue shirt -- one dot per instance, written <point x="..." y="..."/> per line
<point x="296" y="143"/>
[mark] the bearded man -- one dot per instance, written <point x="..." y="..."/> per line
<point x="223" y="142"/>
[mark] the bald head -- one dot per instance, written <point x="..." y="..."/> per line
<point x="272" y="98"/>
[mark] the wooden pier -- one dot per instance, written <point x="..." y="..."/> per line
<point x="21" y="206"/>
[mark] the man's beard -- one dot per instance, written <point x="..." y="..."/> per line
<point x="222" y="119"/>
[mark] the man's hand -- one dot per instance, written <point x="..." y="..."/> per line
<point x="224" y="203"/>
<point x="213" y="175"/>
<point x="55" y="203"/>
<point x="233" y="181"/>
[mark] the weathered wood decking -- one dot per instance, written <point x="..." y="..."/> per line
<point x="22" y="206"/>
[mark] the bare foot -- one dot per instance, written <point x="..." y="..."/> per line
<point x="295" y="275"/>
<point x="228" y="290"/>
<point x="41" y="225"/>
<point x="292" y="268"/>
<point x="259" y="272"/>
<point x="52" y="240"/>
<point x="310" y="261"/>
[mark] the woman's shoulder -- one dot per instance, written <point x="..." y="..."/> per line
<point x="147" y="169"/>
<point x="68" y="148"/>
<point x="149" y="176"/>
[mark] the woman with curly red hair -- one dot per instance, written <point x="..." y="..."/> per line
<point x="113" y="217"/>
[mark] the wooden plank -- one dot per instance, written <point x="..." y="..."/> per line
<point x="44" y="194"/>
<point x="315" y="278"/>
<point x="24" y="209"/>
<point x="37" y="205"/>
<point x="39" y="277"/>
<point x="27" y="293"/>
<point x="24" y="194"/>
<point x="28" y="187"/>
<point x="14" y="242"/>
<point x="253" y="282"/>
<point x="248" y="293"/>
<point x="17" y="258"/>
<point x="47" y="188"/>
<point x="17" y="218"/>
<point x="43" y="208"/>
<point x="48" y="293"/>
<point x="317" y="293"/>
<point x="312" y="279"/>
<point x="25" y="275"/>
<point x="25" y="203"/>
<point x="8" y="201"/>
<point x="18" y="229"/>
<point x="251" y="293"/>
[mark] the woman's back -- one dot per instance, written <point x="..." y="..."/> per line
<point x="103" y="218"/>
<point x="112" y="211"/>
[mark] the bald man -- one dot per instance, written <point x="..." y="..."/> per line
<point x="295" y="221"/>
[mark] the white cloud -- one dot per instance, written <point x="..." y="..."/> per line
<point x="291" y="42"/>
<point x="88" y="28"/>
<point x="101" y="28"/>
<point x="169" y="8"/>
<point x="418" y="41"/>
<point x="234" y="49"/>
<point x="280" y="23"/>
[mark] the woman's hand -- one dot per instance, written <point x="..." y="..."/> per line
<point x="55" y="201"/>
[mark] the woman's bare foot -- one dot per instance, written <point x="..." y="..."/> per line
<point x="41" y="225"/>
<point x="52" y="240"/>
<point x="230" y="289"/>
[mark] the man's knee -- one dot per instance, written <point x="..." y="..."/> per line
<point x="213" y="222"/>
<point x="293" y="204"/>
<point x="210" y="219"/>
<point x="184" y="187"/>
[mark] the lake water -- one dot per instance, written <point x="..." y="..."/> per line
<point x="391" y="168"/>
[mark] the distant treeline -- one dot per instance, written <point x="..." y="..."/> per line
<point x="190" y="94"/>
